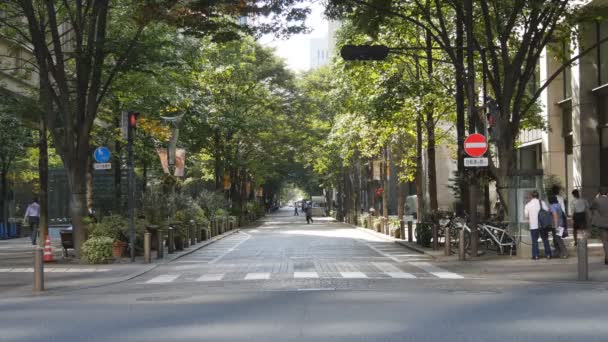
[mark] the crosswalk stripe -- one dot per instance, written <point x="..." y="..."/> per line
<point x="257" y="276"/>
<point x="436" y="271"/>
<point x="301" y="275"/>
<point x="211" y="277"/>
<point x="165" y="278"/>
<point x="353" y="275"/>
<point x="386" y="267"/>
<point x="401" y="275"/>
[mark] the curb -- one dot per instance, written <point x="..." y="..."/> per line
<point x="199" y="246"/>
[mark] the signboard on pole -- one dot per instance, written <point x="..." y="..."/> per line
<point x="475" y="145"/>
<point x="102" y="166"/>
<point x="475" y="162"/>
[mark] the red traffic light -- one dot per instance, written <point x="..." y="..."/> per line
<point x="133" y="120"/>
<point x="364" y="52"/>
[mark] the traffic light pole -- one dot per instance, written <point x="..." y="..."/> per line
<point x="473" y="186"/>
<point x="131" y="185"/>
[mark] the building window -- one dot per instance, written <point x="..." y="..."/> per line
<point x="529" y="157"/>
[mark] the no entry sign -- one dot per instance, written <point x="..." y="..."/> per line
<point x="475" y="145"/>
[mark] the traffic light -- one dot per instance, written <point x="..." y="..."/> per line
<point x="132" y="120"/>
<point x="364" y="52"/>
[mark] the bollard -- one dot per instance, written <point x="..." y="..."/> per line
<point x="583" y="258"/>
<point x="402" y="229"/>
<point x="38" y="269"/>
<point x="461" y="255"/>
<point x="410" y="231"/>
<point x="204" y="234"/>
<point x="186" y="237"/>
<point x="448" y="241"/>
<point x="170" y="240"/>
<point x="160" y="250"/>
<point x="147" y="247"/>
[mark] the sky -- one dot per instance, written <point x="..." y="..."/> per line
<point x="296" y="49"/>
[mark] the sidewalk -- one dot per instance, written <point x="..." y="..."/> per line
<point x="494" y="266"/>
<point x="16" y="272"/>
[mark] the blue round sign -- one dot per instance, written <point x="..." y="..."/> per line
<point x="102" y="154"/>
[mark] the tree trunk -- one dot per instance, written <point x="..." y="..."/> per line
<point x="77" y="178"/>
<point x="43" y="175"/>
<point x="219" y="172"/>
<point x="460" y="109"/>
<point x="118" y="204"/>
<point x="419" y="173"/>
<point x="384" y="176"/>
<point x="3" y="194"/>
<point x="430" y="132"/>
<point x="90" y="186"/>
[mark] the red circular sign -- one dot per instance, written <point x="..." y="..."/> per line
<point x="475" y="145"/>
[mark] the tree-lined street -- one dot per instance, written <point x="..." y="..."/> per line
<point x="287" y="281"/>
<point x="167" y="174"/>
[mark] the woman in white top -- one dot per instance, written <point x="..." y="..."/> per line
<point x="579" y="214"/>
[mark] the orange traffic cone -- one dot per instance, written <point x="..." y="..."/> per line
<point x="48" y="250"/>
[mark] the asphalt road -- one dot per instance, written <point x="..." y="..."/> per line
<point x="288" y="281"/>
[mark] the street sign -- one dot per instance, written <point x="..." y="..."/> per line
<point x="475" y="145"/>
<point x="102" y="166"/>
<point x="475" y="162"/>
<point x="102" y="154"/>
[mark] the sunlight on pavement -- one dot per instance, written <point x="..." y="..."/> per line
<point x="338" y="233"/>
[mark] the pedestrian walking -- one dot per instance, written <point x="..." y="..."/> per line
<point x="532" y="211"/>
<point x="559" y="224"/>
<point x="295" y="213"/>
<point x="32" y="217"/>
<point x="579" y="208"/>
<point x="599" y="208"/>
<point x="309" y="214"/>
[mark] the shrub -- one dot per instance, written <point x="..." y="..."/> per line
<point x="97" y="250"/>
<point x="112" y="226"/>
<point x="424" y="234"/>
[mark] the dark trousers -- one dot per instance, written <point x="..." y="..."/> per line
<point x="33" y="221"/>
<point x="544" y="235"/>
<point x="309" y="219"/>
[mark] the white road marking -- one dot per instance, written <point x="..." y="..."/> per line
<point x="257" y="276"/>
<point x="353" y="275"/>
<point x="165" y="278"/>
<point x="380" y="252"/>
<point x="303" y="275"/>
<point x="247" y="236"/>
<point x="386" y="267"/>
<point x="436" y="271"/>
<point x="211" y="277"/>
<point x="401" y="275"/>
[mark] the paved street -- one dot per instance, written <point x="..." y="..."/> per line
<point x="288" y="281"/>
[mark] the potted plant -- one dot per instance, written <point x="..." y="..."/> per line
<point x="113" y="227"/>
